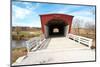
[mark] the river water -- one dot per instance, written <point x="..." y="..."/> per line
<point x="18" y="44"/>
<point x="22" y="43"/>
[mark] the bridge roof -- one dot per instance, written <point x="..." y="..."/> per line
<point x="56" y="14"/>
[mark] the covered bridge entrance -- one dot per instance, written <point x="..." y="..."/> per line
<point x="56" y="24"/>
<point x="58" y="49"/>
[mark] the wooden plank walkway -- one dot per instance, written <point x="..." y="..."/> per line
<point x="60" y="49"/>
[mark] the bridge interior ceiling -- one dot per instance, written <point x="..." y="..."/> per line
<point x="58" y="24"/>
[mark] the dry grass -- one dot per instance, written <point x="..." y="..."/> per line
<point x="25" y="35"/>
<point x="85" y="33"/>
<point x="18" y="52"/>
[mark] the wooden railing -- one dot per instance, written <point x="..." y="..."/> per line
<point x="31" y="44"/>
<point x="34" y="43"/>
<point x="80" y="39"/>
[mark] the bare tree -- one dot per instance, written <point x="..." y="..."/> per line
<point x="77" y="25"/>
<point x="93" y="11"/>
<point x="93" y="27"/>
<point x="90" y="27"/>
<point x="17" y="30"/>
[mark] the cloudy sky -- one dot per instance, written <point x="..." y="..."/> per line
<point x="27" y="13"/>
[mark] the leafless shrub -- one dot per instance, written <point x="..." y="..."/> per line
<point x="77" y="25"/>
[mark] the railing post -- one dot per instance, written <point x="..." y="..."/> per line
<point x="67" y="35"/>
<point x="79" y="39"/>
<point x="38" y="43"/>
<point x="90" y="43"/>
<point x="27" y="47"/>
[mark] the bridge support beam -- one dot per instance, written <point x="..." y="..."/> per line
<point x="66" y="29"/>
<point x="46" y="31"/>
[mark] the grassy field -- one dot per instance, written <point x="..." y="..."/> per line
<point x="18" y="52"/>
<point x="24" y="35"/>
<point x="86" y="33"/>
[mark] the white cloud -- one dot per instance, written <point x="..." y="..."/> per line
<point x="61" y="10"/>
<point x="21" y="16"/>
<point x="82" y="13"/>
<point x="66" y="9"/>
<point x="85" y="15"/>
<point x="84" y="20"/>
<point x="30" y="6"/>
<point x="20" y="13"/>
<point x="30" y="24"/>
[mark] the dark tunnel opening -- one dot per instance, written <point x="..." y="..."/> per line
<point x="56" y="28"/>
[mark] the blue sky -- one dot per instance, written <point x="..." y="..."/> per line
<point x="27" y="13"/>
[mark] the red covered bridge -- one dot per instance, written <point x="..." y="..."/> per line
<point x="57" y="49"/>
<point x="62" y="22"/>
